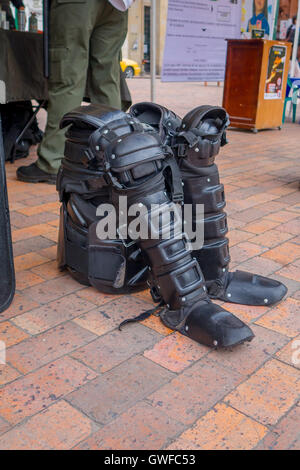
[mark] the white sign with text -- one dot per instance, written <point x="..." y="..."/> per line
<point x="195" y="47"/>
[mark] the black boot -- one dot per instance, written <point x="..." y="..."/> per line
<point x="33" y="174"/>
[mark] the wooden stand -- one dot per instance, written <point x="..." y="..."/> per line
<point x="255" y="82"/>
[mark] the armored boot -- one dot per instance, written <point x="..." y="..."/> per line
<point x="139" y="167"/>
<point x="198" y="141"/>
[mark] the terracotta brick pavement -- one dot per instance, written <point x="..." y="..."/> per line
<point x="72" y="380"/>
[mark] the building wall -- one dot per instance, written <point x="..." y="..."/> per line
<point x="134" y="44"/>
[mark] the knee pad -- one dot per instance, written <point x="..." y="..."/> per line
<point x="201" y="134"/>
<point x="164" y="121"/>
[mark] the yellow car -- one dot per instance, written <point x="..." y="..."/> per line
<point x="130" y="67"/>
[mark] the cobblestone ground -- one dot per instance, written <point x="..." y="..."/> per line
<point x="72" y="380"/>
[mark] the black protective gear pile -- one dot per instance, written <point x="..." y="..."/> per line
<point x="110" y="155"/>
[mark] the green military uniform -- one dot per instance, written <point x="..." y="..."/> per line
<point x="85" y="35"/>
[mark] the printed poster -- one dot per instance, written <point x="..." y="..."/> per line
<point x="273" y="88"/>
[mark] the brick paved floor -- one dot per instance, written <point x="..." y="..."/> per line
<point x="72" y="380"/>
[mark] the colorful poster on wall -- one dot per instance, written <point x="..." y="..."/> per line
<point x="257" y="14"/>
<point x="195" y="46"/>
<point x="273" y="87"/>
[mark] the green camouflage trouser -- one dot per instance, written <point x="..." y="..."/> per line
<point x="85" y="36"/>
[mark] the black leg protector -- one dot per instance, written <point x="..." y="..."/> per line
<point x="198" y="142"/>
<point x="112" y="266"/>
<point x="137" y="169"/>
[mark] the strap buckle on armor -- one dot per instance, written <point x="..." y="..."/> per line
<point x="135" y="126"/>
<point x="169" y="129"/>
<point x="190" y="137"/>
<point x="88" y="154"/>
<point x="177" y="197"/>
<point x="114" y="181"/>
<point x="156" y="297"/>
<point x="176" y="181"/>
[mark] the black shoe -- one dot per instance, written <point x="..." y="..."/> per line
<point x="33" y="174"/>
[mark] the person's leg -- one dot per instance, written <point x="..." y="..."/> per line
<point x="70" y="28"/>
<point x="105" y="46"/>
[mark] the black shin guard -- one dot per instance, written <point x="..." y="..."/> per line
<point x="201" y="134"/>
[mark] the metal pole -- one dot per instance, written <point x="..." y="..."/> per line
<point x="153" y="50"/>
<point x="46" y="37"/>
<point x="296" y="40"/>
<point x="274" y="20"/>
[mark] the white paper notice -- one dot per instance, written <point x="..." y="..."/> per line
<point x="195" y="47"/>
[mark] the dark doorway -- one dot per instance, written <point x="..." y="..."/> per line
<point x="146" y="60"/>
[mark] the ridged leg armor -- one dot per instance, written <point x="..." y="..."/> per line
<point x="136" y="164"/>
<point x="112" y="266"/>
<point x="196" y="141"/>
